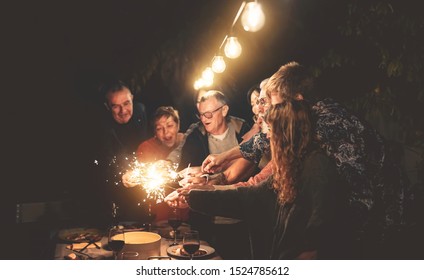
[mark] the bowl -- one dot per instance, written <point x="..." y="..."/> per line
<point x="145" y="243"/>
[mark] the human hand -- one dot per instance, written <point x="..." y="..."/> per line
<point x="176" y="200"/>
<point x="127" y="180"/>
<point x="188" y="181"/>
<point x="191" y="171"/>
<point x="214" y="163"/>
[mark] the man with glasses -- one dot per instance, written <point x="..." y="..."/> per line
<point x="216" y="133"/>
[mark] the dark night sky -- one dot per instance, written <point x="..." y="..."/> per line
<point x="59" y="52"/>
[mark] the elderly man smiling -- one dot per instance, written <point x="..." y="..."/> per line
<point x="217" y="132"/>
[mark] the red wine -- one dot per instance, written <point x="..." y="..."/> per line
<point x="116" y="245"/>
<point x="174" y="223"/>
<point x="191" y="247"/>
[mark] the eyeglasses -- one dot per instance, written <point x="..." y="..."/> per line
<point x="209" y="114"/>
<point x="262" y="101"/>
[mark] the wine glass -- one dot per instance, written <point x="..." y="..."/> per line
<point x="116" y="239"/>
<point x="191" y="242"/>
<point x="174" y="220"/>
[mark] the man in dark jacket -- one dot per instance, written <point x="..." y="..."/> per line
<point x="124" y="128"/>
<point x="216" y="132"/>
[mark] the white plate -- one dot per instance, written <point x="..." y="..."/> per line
<point x="79" y="235"/>
<point x="175" y="251"/>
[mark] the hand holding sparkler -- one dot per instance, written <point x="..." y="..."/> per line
<point x="190" y="171"/>
<point x="127" y="179"/>
<point x="179" y="197"/>
<point x="175" y="200"/>
<point x="151" y="176"/>
<point x="191" y="175"/>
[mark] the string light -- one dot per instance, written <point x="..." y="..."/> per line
<point x="207" y="74"/>
<point x="253" y="19"/>
<point x="232" y="48"/>
<point x="218" y="64"/>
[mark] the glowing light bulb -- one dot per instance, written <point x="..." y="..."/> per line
<point x="198" y="84"/>
<point x="232" y="48"/>
<point x="218" y="64"/>
<point x="208" y="83"/>
<point x="253" y="17"/>
<point x="207" y="74"/>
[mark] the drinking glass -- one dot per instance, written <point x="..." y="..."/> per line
<point x="191" y="242"/>
<point x="116" y="239"/>
<point x="174" y="220"/>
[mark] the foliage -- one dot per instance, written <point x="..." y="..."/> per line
<point x="382" y="40"/>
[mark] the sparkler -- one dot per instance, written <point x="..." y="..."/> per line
<point x="153" y="177"/>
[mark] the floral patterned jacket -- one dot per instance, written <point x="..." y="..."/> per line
<point x="360" y="156"/>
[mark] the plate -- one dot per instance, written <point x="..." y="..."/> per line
<point x="205" y="252"/>
<point x="132" y="225"/>
<point x="78" y="235"/>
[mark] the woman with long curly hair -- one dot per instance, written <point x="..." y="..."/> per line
<point x="299" y="212"/>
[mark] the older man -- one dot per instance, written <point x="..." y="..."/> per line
<point x="124" y="128"/>
<point x="127" y="125"/>
<point x="217" y="133"/>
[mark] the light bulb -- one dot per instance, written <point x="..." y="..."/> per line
<point x="232" y="47"/>
<point x="207" y="74"/>
<point x="218" y="64"/>
<point x="198" y="84"/>
<point x="208" y="82"/>
<point x="253" y="17"/>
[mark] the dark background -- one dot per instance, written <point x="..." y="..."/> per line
<point x="56" y="55"/>
<point x="59" y="54"/>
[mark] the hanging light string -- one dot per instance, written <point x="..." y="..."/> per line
<point x="252" y="19"/>
<point x="238" y="13"/>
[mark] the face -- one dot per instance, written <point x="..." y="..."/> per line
<point x="263" y="107"/>
<point x="253" y="102"/>
<point x="263" y="102"/>
<point x="121" y="105"/>
<point x="216" y="124"/>
<point x="166" y="130"/>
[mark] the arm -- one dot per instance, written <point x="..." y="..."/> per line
<point x="239" y="170"/>
<point x="255" y="147"/>
<point x="213" y="163"/>
<point x="235" y="203"/>
<point x="261" y="176"/>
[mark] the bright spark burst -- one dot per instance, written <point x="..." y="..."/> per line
<point x="152" y="177"/>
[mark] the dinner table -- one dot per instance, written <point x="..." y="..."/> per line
<point x="98" y="249"/>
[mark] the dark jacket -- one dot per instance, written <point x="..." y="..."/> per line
<point x="316" y="220"/>
<point x="118" y="143"/>
<point x="196" y="147"/>
<point x="123" y="139"/>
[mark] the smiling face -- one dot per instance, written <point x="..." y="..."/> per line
<point x="166" y="130"/>
<point x="216" y="124"/>
<point x="121" y="105"/>
<point x="263" y="107"/>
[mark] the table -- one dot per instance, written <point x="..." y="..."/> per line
<point x="61" y="250"/>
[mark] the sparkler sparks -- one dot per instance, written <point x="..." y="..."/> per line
<point x="152" y="177"/>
